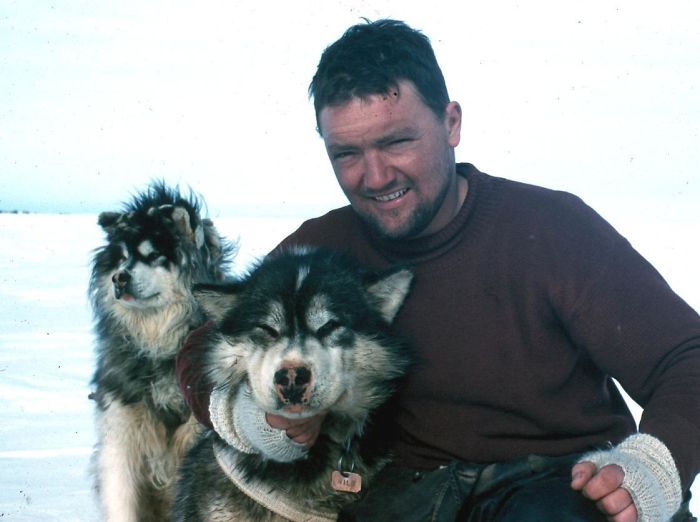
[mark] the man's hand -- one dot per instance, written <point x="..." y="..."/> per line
<point x="604" y="488"/>
<point x="303" y="431"/>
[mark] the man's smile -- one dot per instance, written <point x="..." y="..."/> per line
<point x="392" y="196"/>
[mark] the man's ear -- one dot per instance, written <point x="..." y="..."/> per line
<point x="453" y="123"/>
<point x="389" y="292"/>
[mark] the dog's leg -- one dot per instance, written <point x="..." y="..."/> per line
<point x="120" y="462"/>
<point x="184" y="437"/>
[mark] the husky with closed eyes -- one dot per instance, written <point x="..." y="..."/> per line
<point x="307" y="331"/>
<point x="140" y="289"/>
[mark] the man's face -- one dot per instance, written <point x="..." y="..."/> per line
<point x="394" y="159"/>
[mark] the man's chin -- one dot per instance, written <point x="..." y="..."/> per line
<point x="396" y="228"/>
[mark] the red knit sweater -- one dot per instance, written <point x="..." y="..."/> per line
<point x="521" y="310"/>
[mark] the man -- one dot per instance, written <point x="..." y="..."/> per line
<point x="525" y="305"/>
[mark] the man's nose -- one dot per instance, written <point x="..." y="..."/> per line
<point x="378" y="174"/>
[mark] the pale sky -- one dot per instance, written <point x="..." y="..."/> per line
<point x="600" y="98"/>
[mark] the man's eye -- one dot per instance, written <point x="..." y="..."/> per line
<point x="341" y="154"/>
<point x="398" y="142"/>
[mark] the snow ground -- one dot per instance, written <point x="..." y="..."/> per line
<point x="46" y="358"/>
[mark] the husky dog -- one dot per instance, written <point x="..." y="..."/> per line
<point x="305" y="332"/>
<point x="140" y="289"/>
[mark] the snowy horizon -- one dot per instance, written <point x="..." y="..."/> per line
<point x="96" y="99"/>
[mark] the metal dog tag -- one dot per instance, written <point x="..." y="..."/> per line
<point x="346" y="481"/>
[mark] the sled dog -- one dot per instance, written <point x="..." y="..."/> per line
<point x="305" y="332"/>
<point x="140" y="290"/>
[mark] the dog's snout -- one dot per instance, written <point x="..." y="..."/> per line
<point x="292" y="384"/>
<point x="121" y="278"/>
<point x="120" y="282"/>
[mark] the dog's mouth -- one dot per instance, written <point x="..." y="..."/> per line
<point x="295" y="408"/>
<point x="126" y="297"/>
<point x="123" y="295"/>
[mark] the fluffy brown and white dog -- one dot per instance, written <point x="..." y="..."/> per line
<point x="140" y="289"/>
<point x="306" y="332"/>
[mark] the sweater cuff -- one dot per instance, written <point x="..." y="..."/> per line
<point x="651" y="477"/>
<point x="221" y="414"/>
<point x="241" y="423"/>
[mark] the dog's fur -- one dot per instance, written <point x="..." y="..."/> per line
<point x="140" y="289"/>
<point x="301" y="311"/>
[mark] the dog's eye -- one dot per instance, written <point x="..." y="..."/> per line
<point x="120" y="252"/>
<point x="269" y="330"/>
<point x="328" y="328"/>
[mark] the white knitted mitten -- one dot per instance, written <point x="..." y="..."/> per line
<point x="241" y="423"/>
<point x="651" y="476"/>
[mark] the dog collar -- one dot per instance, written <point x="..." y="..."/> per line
<point x="276" y="501"/>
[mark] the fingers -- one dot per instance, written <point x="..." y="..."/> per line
<point x="604" y="488"/>
<point x="605" y="481"/>
<point x="303" y="431"/>
<point x="618" y="506"/>
<point x="581" y="473"/>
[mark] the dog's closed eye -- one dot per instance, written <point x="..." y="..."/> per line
<point x="268" y="330"/>
<point x="328" y="328"/>
<point x="156" y="258"/>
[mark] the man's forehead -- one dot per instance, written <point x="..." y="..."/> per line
<point x="404" y="90"/>
<point x="378" y="114"/>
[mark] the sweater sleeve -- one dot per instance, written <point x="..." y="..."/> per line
<point x="190" y="374"/>
<point x="636" y="329"/>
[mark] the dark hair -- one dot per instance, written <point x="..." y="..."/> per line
<point x="371" y="58"/>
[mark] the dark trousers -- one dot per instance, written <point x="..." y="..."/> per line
<point x="529" y="489"/>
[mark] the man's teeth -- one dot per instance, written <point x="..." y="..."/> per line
<point x="389" y="197"/>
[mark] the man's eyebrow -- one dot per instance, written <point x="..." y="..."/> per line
<point x="403" y="133"/>
<point x="397" y="134"/>
<point x="335" y="146"/>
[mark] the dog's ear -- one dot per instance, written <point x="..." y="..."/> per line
<point x="216" y="299"/>
<point x="179" y="218"/>
<point x="212" y="241"/>
<point x="183" y="224"/>
<point x="389" y="292"/>
<point x="109" y="221"/>
<point x="211" y="238"/>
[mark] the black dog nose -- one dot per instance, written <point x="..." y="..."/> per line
<point x="121" y="278"/>
<point x="292" y="384"/>
<point x="121" y="281"/>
